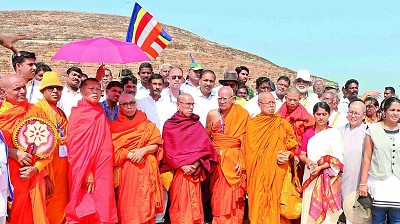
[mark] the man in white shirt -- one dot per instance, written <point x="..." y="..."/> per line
<point x="279" y="94"/>
<point x="336" y="119"/>
<point x="193" y="83"/>
<point x="71" y="93"/>
<point x="152" y="104"/>
<point x="205" y="98"/>
<point x="303" y="82"/>
<point x="262" y="85"/>
<point x="351" y="89"/>
<point x="33" y="87"/>
<point x="143" y="87"/>
<point x="171" y="93"/>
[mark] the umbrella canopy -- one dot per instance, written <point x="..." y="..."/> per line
<point x="101" y="50"/>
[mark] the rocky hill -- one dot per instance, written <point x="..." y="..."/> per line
<point x="49" y="30"/>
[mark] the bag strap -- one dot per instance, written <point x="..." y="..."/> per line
<point x="295" y="178"/>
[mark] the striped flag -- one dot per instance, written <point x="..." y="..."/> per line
<point x="146" y="32"/>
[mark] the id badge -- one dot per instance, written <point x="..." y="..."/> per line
<point x="62" y="149"/>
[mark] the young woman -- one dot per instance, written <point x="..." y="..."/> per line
<point x="322" y="157"/>
<point x="380" y="170"/>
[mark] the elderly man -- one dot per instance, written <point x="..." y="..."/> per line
<point x="336" y="119"/>
<point x="137" y="153"/>
<point x="319" y="87"/>
<point x="270" y="142"/>
<point x="71" y="93"/>
<point x="90" y="159"/>
<point x="353" y="134"/>
<point x="143" y="87"/>
<point x="109" y="105"/>
<point x="302" y="82"/>
<point x="191" y="165"/>
<point x="164" y="72"/>
<point x="193" y="83"/>
<point x="26" y="177"/>
<point x="57" y="178"/>
<point x="227" y="128"/>
<point x="262" y="85"/>
<point x="296" y="114"/>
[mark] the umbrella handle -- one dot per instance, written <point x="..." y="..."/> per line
<point x="100" y="72"/>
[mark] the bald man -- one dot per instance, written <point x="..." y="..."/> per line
<point x="191" y="165"/>
<point x="270" y="143"/>
<point x="26" y="177"/>
<point x="296" y="114"/>
<point x="90" y="160"/>
<point x="227" y="128"/>
<point x="137" y="153"/>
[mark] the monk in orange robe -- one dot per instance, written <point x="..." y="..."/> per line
<point x="29" y="204"/>
<point x="90" y="160"/>
<point x="270" y="143"/>
<point x="227" y="128"/>
<point x="137" y="153"/>
<point x="57" y="178"/>
<point x="189" y="153"/>
<point x="296" y="114"/>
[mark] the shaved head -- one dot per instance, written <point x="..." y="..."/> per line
<point x="127" y="105"/>
<point x="226" y="98"/>
<point x="185" y="104"/>
<point x="14" y="88"/>
<point x="267" y="104"/>
<point x="225" y="90"/>
<point x="294" y="91"/>
<point x="126" y="97"/>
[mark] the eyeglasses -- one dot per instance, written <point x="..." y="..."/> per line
<point x="187" y="104"/>
<point x="271" y="103"/>
<point x="173" y="77"/>
<point x="131" y="103"/>
<point x="353" y="113"/>
<point x="51" y="88"/>
<point x="224" y="99"/>
<point x="232" y="85"/>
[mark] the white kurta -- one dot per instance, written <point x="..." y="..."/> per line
<point x="326" y="142"/>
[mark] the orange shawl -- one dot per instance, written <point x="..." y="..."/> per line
<point x="229" y="145"/>
<point x="266" y="135"/>
<point x="299" y="119"/>
<point x="29" y="198"/>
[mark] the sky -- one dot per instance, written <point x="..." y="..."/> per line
<point x="337" y="40"/>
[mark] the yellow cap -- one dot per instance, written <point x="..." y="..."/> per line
<point x="50" y="79"/>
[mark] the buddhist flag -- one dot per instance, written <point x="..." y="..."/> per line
<point x="146" y="32"/>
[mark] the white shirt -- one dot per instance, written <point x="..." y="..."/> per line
<point x="33" y="94"/>
<point x="204" y="104"/>
<point x="337" y="119"/>
<point x="3" y="167"/>
<point x="278" y="101"/>
<point x="154" y="110"/>
<point x="68" y="100"/>
<point x="343" y="106"/>
<point x="252" y="106"/>
<point x="187" y="87"/>
<point x="141" y="92"/>
<point x="309" y="101"/>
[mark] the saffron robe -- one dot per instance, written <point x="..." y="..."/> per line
<point x="228" y="188"/>
<point x="57" y="169"/>
<point x="29" y="205"/>
<point x="90" y="149"/>
<point x="140" y="193"/>
<point x="299" y="119"/>
<point x="266" y="135"/>
<point x="190" y="145"/>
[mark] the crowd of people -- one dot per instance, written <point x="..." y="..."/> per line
<point x="129" y="146"/>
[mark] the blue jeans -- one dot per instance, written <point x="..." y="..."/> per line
<point x="379" y="215"/>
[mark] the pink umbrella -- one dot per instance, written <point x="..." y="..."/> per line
<point x="101" y="50"/>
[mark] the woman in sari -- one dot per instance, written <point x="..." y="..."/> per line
<point x="322" y="156"/>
